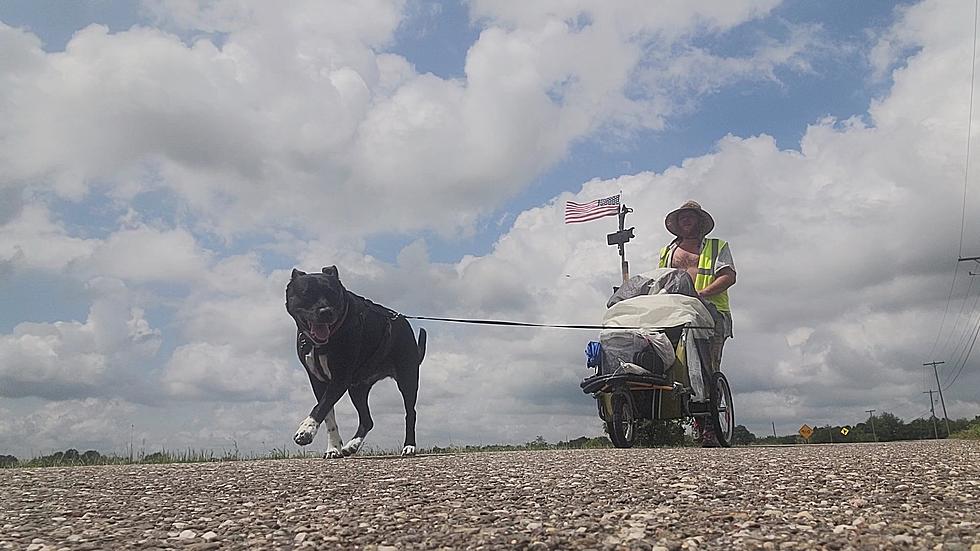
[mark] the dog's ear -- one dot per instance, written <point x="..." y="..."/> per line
<point x="296" y="273"/>
<point x="331" y="271"/>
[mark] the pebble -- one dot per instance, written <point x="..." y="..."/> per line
<point x="843" y="496"/>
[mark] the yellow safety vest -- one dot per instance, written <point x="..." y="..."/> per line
<point x="706" y="270"/>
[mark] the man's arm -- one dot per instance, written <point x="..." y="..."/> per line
<point x="724" y="280"/>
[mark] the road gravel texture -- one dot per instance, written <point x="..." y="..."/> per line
<point x="905" y="495"/>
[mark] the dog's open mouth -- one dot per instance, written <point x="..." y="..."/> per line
<point x="319" y="332"/>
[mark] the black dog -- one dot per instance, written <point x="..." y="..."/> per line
<point x="347" y="343"/>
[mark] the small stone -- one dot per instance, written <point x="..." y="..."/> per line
<point x="534" y="526"/>
<point x="300" y="538"/>
<point x="186" y="535"/>
<point x="903" y="539"/>
<point x="209" y="535"/>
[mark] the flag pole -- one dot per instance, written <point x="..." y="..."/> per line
<point x="621" y="238"/>
<point x="622" y="246"/>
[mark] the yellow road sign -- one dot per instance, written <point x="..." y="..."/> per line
<point x="806" y="431"/>
<point x="844" y="431"/>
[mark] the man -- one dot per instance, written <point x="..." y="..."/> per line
<point x="709" y="262"/>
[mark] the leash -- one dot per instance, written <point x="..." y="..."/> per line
<point x="549" y="325"/>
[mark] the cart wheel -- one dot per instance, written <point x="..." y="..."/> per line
<point x="722" y="411"/>
<point x="622" y="426"/>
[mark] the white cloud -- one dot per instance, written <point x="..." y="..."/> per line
<point x="100" y="357"/>
<point x="211" y="372"/>
<point x="306" y="103"/>
<point x="33" y="241"/>
<point x="147" y="254"/>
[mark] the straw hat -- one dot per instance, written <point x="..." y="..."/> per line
<point x="707" y="222"/>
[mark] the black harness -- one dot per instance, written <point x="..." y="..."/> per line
<point x="383" y="348"/>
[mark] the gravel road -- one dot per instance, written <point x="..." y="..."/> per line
<point x="908" y="495"/>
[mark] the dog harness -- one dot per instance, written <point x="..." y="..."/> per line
<point x="321" y="371"/>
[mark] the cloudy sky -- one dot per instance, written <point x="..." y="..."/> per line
<point x="164" y="164"/>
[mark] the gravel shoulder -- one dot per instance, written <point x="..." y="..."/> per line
<point x="903" y="495"/>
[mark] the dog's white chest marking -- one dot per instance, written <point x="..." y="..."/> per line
<point x="317" y="366"/>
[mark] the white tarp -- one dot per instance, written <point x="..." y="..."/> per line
<point x="661" y="311"/>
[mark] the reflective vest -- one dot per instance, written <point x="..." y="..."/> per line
<point x="706" y="270"/>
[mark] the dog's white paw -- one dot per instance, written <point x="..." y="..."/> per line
<point x="408" y="451"/>
<point x="352" y="446"/>
<point x="332" y="453"/>
<point x="306" y="432"/>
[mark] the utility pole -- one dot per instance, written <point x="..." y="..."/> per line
<point x="774" y="430"/>
<point x="940" y="387"/>
<point x="932" y="411"/>
<point x="873" y="433"/>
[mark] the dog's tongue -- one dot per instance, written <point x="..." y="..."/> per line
<point x="320" y="331"/>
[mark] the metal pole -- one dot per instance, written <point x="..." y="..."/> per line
<point x="622" y="246"/>
<point x="932" y="414"/>
<point x="873" y="433"/>
<point x="774" y="430"/>
<point x="940" y="387"/>
<point x="977" y="258"/>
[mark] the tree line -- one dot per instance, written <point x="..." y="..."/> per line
<point x="885" y="427"/>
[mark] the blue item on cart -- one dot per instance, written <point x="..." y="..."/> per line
<point x="593" y="354"/>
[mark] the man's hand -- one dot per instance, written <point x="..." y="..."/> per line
<point x="724" y="280"/>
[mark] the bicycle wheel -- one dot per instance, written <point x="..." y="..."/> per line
<point x="722" y="411"/>
<point x="622" y="426"/>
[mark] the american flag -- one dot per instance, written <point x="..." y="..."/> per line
<point x="575" y="212"/>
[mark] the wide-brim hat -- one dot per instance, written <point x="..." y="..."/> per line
<point x="707" y="222"/>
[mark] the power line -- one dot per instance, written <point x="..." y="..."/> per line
<point x="966" y="358"/>
<point x="969" y="124"/>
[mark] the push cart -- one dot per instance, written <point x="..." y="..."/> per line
<point x="653" y="362"/>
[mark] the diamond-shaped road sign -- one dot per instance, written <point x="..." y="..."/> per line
<point x="844" y="431"/>
<point x="806" y="431"/>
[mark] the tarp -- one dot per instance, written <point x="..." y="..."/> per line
<point x="661" y="311"/>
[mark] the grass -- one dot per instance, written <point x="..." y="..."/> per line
<point x="71" y="457"/>
<point x="972" y="432"/>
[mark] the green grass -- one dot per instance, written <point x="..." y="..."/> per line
<point x="71" y="457"/>
<point x="972" y="432"/>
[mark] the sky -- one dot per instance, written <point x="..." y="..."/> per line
<point x="164" y="164"/>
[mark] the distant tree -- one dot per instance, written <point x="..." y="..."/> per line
<point x="741" y="436"/>
<point x="92" y="457"/>
<point x="8" y="461"/>
<point x="888" y="427"/>
<point x="156" y="457"/>
<point x="668" y="432"/>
